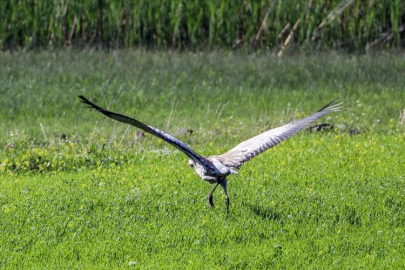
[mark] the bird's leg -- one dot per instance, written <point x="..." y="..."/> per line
<point x="210" y="198"/>
<point x="223" y="185"/>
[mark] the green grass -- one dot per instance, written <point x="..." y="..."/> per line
<point x="102" y="198"/>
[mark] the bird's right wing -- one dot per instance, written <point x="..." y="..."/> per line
<point x="246" y="150"/>
<point x="154" y="131"/>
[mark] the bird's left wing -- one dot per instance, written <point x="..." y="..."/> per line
<point x="154" y="131"/>
<point x="246" y="150"/>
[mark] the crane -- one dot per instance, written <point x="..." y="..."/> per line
<point x="214" y="169"/>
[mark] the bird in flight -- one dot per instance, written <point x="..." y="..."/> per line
<point x="215" y="168"/>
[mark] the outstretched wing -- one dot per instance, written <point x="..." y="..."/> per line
<point x="154" y="131"/>
<point x="247" y="150"/>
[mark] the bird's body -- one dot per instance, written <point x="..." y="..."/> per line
<point x="215" y="169"/>
<point x="211" y="177"/>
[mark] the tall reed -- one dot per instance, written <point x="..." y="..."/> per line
<point x="198" y="24"/>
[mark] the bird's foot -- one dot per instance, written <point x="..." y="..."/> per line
<point x="211" y="200"/>
<point x="227" y="205"/>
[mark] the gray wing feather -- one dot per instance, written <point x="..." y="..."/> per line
<point x="154" y="131"/>
<point x="246" y="150"/>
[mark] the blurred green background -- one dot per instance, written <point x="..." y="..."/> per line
<point x="201" y="24"/>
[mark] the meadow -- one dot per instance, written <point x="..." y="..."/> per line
<point x="78" y="190"/>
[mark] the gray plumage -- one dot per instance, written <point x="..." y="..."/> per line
<point x="215" y="169"/>
<point x="247" y="150"/>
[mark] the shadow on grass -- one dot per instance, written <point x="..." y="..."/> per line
<point x="267" y="213"/>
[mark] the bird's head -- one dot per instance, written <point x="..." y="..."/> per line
<point x="190" y="163"/>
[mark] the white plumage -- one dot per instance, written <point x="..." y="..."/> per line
<point x="215" y="169"/>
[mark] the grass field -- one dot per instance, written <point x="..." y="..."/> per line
<point x="101" y="196"/>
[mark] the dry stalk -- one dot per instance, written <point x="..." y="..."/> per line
<point x="402" y="117"/>
<point x="309" y="7"/>
<point x="262" y="26"/>
<point x="331" y="16"/>
<point x="43" y="131"/>
<point x="289" y="38"/>
<point x="386" y="37"/>
<point x="285" y="29"/>
<point x="73" y="29"/>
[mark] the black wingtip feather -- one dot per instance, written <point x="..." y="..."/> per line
<point x="337" y="101"/>
<point x="89" y="103"/>
<point x="327" y="105"/>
